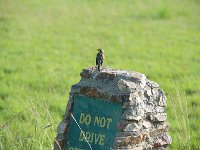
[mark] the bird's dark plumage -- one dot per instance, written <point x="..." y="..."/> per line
<point x="99" y="58"/>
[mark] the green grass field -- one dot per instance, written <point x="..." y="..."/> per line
<point x="44" y="45"/>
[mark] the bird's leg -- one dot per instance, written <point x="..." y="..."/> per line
<point x="99" y="67"/>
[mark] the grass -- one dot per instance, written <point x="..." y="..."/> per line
<point x="45" y="44"/>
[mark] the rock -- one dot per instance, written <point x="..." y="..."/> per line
<point x="152" y="84"/>
<point x="106" y="75"/>
<point x="123" y="86"/>
<point x="62" y="127"/>
<point x="132" y="127"/>
<point x="149" y="93"/>
<point x="138" y="148"/>
<point x="161" y="99"/>
<point x="160" y="117"/>
<point x="89" y="91"/>
<point x="133" y="113"/>
<point x="146" y="124"/>
<point x="143" y="123"/>
<point x="136" y="97"/>
<point x="135" y="118"/>
<point x="160" y="109"/>
<point x="149" y="109"/>
<point x="163" y="125"/>
<point x="165" y="140"/>
<point x="129" y="140"/>
<point x="85" y="74"/>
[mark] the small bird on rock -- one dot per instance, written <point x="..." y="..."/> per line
<point x="99" y="58"/>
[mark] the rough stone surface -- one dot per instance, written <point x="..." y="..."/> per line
<point x="143" y="124"/>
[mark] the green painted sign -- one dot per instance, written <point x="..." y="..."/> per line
<point x="97" y="118"/>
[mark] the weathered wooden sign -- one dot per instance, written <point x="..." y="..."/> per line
<point x="94" y="120"/>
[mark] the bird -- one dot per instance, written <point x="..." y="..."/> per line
<point x="99" y="58"/>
